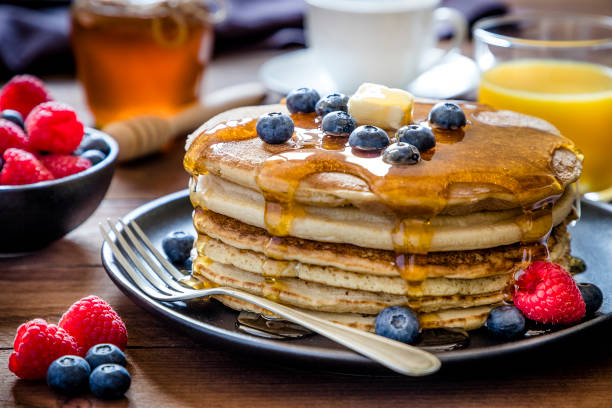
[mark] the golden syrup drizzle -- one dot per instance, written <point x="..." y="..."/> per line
<point x="413" y="274"/>
<point x="513" y="158"/>
<point x="275" y="248"/>
<point x="272" y="288"/>
<point x="196" y="283"/>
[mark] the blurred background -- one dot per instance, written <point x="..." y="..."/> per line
<point x="35" y="33"/>
<point x="161" y="57"/>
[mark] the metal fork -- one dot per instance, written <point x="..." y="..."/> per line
<point x="154" y="275"/>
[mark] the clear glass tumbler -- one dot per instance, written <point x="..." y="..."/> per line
<point x="557" y="67"/>
<point x="138" y="57"/>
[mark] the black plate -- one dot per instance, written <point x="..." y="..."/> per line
<point x="591" y="240"/>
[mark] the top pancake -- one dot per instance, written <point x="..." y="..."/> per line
<point x="501" y="160"/>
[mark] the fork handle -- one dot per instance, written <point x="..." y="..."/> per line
<point x="399" y="357"/>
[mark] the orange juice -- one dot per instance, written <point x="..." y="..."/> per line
<point x="576" y="97"/>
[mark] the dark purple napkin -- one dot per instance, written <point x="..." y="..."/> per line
<point x="35" y="38"/>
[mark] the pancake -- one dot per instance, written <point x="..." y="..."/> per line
<point x="458" y="264"/>
<point x="485" y="229"/>
<point x="469" y="185"/>
<point x="315" y="296"/>
<point x="317" y="225"/>
<point x="467" y="319"/>
<point x="258" y="263"/>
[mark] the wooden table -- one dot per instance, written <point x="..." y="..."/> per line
<point x="170" y="369"/>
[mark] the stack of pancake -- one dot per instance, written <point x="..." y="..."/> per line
<point x="344" y="235"/>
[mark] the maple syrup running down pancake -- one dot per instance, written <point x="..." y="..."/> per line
<point x="516" y="159"/>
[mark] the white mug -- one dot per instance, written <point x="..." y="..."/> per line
<point x="380" y="41"/>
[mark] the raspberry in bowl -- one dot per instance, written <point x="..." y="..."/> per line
<point x="53" y="171"/>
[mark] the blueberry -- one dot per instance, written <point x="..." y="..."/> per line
<point x="177" y="246"/>
<point x="94" y="143"/>
<point x="447" y="115"/>
<point x="105" y="353"/>
<point x="109" y="381"/>
<point x="302" y="100"/>
<point x="420" y="136"/>
<point x="338" y="123"/>
<point x="593" y="297"/>
<point x="506" y="321"/>
<point x="274" y="128"/>
<point x="401" y="153"/>
<point x="188" y="265"/>
<point x="332" y="103"/>
<point x="369" y="138"/>
<point x="68" y="374"/>
<point x="397" y="323"/>
<point x="94" y="156"/>
<point x="13" y="116"/>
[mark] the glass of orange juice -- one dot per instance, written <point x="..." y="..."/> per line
<point x="557" y="67"/>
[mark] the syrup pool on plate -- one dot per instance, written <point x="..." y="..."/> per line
<point x="576" y="97"/>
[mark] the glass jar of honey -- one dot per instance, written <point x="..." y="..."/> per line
<point x="137" y="57"/>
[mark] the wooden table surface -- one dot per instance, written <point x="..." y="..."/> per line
<point x="168" y="368"/>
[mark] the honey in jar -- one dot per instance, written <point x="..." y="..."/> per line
<point x="138" y="57"/>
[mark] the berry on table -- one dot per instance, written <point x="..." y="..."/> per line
<point x="13" y="116"/>
<point x="397" y="323"/>
<point x="109" y="381"/>
<point x="68" y="374"/>
<point x="447" y="115"/>
<point x="61" y="165"/>
<point x="54" y="127"/>
<point x="592" y="296"/>
<point x="92" y="321"/>
<point x="177" y="246"/>
<point x="105" y="353"/>
<point x="420" y="136"/>
<point x="338" y="123"/>
<point x="302" y="100"/>
<point x="401" y="153"/>
<point x="506" y="321"/>
<point x="274" y="128"/>
<point x="331" y="103"/>
<point x="12" y="135"/>
<point x="22" y="93"/>
<point x="21" y="167"/>
<point x="546" y="293"/>
<point x="36" y="345"/>
<point x="369" y="138"/>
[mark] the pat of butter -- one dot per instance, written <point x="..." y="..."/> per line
<point x="377" y="105"/>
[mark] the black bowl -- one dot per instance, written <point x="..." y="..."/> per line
<point x="34" y="215"/>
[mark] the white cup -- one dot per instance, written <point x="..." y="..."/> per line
<point x="388" y="42"/>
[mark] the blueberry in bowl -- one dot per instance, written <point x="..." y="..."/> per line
<point x="34" y="215"/>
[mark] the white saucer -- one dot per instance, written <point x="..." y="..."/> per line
<point x="456" y="77"/>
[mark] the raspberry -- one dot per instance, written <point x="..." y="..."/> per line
<point x="546" y="293"/>
<point x="54" y="127"/>
<point x="11" y="135"/>
<point x="21" y="167"/>
<point x="22" y="93"/>
<point x="92" y="321"/>
<point x="61" y="165"/>
<point x="37" y="344"/>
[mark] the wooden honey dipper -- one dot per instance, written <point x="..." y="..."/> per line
<point x="143" y="135"/>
